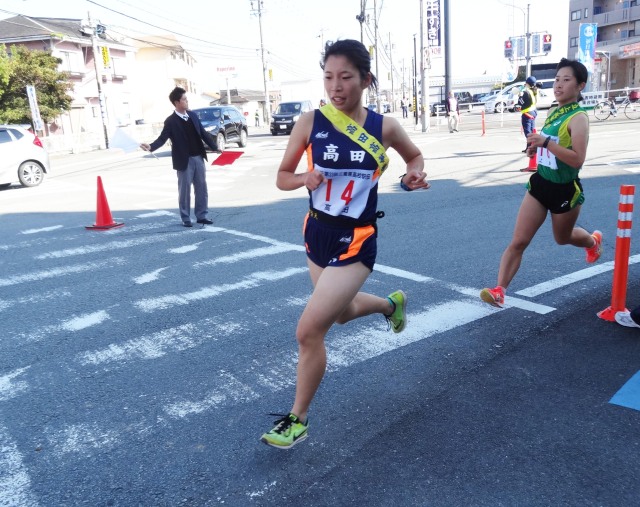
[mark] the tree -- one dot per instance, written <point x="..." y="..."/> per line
<point x="4" y="70"/>
<point x="37" y="68"/>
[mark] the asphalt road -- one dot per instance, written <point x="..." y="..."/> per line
<point x="138" y="365"/>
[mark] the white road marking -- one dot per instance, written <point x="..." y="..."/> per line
<point x="149" y="277"/>
<point x="106" y="247"/>
<point x="230" y="390"/>
<point x="82" y="438"/>
<point x="74" y="324"/>
<point x="159" y="213"/>
<point x="85" y="321"/>
<point x="62" y="271"/>
<point x="44" y="229"/>
<point x="185" y="248"/>
<point x="467" y="291"/>
<point x="10" y="388"/>
<point x="15" y="483"/>
<point x="253" y="280"/>
<point x="570" y="278"/>
<point x="161" y="343"/>
<point x="248" y="254"/>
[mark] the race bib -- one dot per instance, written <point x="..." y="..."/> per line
<point x="546" y="158"/>
<point x="345" y="193"/>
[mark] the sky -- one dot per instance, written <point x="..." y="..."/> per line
<point x="222" y="34"/>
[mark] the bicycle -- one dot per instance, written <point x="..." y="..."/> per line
<point x="606" y="108"/>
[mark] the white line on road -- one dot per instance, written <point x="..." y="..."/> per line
<point x="44" y="229"/>
<point x="66" y="270"/>
<point x="152" y="276"/>
<point x="577" y="276"/>
<point x="15" y="483"/>
<point x="253" y="280"/>
<point x="10" y="388"/>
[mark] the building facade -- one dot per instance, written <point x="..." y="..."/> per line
<point x="617" y="62"/>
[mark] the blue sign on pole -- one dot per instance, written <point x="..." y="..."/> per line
<point x="587" y="48"/>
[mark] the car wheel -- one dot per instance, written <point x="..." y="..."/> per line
<point x="220" y="141"/>
<point x="243" y="139"/>
<point x="500" y="107"/>
<point x="274" y="133"/>
<point x="30" y="174"/>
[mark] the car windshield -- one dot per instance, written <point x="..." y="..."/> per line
<point x="288" y="109"/>
<point x="208" y="114"/>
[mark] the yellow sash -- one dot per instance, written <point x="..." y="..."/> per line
<point x="357" y="134"/>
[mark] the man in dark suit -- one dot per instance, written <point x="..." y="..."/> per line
<point x="188" y="155"/>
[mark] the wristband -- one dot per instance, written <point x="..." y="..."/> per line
<point x="546" y="142"/>
<point x="403" y="186"/>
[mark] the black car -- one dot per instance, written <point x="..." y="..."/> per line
<point x="287" y="114"/>
<point x="225" y="123"/>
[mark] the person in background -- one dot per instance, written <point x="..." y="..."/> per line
<point x="527" y="107"/>
<point x="404" y="105"/>
<point x="187" y="134"/>
<point x="322" y="103"/>
<point x="257" y="118"/>
<point x="345" y="145"/>
<point x="453" y="112"/>
<point x="555" y="187"/>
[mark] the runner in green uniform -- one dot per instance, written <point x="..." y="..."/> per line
<point x="561" y="149"/>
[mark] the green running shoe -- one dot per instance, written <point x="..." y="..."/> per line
<point x="287" y="432"/>
<point x="398" y="319"/>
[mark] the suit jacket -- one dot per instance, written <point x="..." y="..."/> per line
<point x="174" y="129"/>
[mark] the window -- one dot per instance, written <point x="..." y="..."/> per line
<point x="71" y="62"/>
<point x="575" y="15"/>
<point x="586" y="13"/>
<point x="597" y="9"/>
<point x="573" y="42"/>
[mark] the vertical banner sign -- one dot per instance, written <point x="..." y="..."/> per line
<point x="587" y="48"/>
<point x="106" y="58"/>
<point x="434" y="41"/>
<point x="35" y="110"/>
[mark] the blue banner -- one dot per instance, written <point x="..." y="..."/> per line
<point x="587" y="48"/>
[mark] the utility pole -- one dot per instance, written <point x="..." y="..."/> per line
<point x="528" y="44"/>
<point x="101" y="100"/>
<point x="361" y="18"/>
<point x="375" y="48"/>
<point x="266" y="110"/>
<point x="416" y="105"/>
<point x="423" y="102"/>
<point x="393" y="93"/>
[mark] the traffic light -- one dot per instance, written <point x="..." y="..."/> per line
<point x="546" y="42"/>
<point x="508" y="49"/>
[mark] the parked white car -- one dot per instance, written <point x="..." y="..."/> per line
<point x="22" y="157"/>
<point x="505" y="100"/>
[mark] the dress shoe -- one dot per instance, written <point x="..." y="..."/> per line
<point x="205" y="221"/>
<point x="187" y="224"/>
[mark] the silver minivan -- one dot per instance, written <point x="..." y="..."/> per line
<point x="22" y="157"/>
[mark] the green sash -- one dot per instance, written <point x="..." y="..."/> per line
<point x="357" y="134"/>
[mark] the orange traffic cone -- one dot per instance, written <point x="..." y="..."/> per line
<point x="533" y="161"/>
<point x="103" y="213"/>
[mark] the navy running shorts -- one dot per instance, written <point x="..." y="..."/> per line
<point x="556" y="197"/>
<point x="331" y="245"/>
